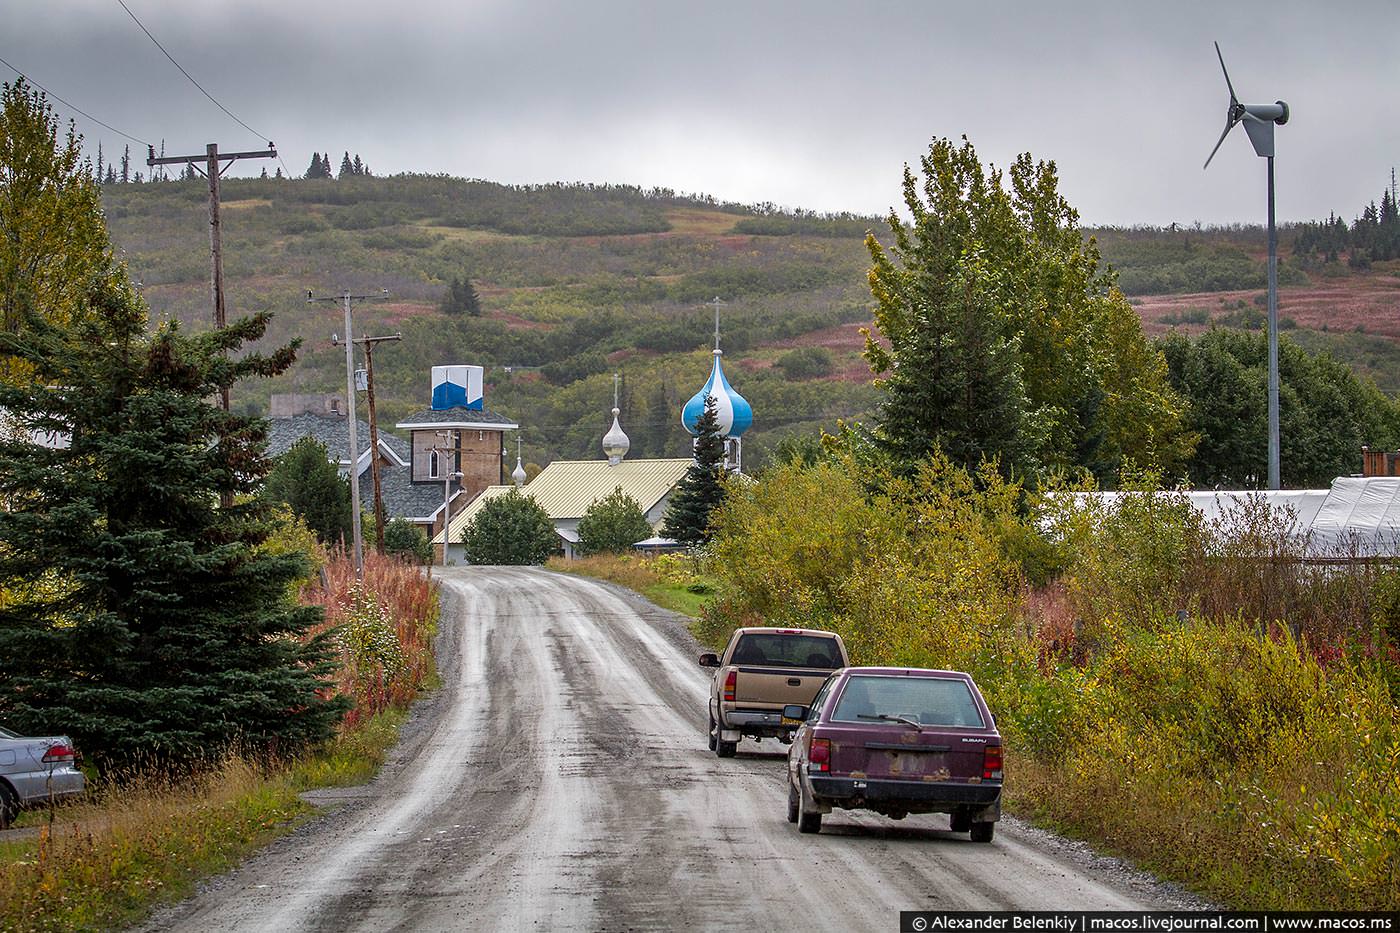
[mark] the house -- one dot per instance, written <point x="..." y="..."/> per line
<point x="323" y="418"/>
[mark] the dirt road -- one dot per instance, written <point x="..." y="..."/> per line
<point x="560" y="780"/>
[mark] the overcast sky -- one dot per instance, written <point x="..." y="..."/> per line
<point x="805" y="104"/>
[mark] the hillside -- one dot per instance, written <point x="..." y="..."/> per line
<point x="578" y="282"/>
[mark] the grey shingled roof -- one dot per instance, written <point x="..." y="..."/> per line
<point x="455" y="415"/>
<point x="333" y="432"/>
<point x="402" y="498"/>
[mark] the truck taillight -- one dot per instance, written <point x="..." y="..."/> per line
<point x="991" y="762"/>
<point x="59" y="753"/>
<point x="819" y="755"/>
<point x="730" y="682"/>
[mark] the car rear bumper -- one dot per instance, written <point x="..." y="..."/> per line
<point x="930" y="796"/>
<point x="758" y="722"/>
<point x="37" y="787"/>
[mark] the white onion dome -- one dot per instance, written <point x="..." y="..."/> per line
<point x="518" y="474"/>
<point x="615" y="442"/>
<point x="734" y="411"/>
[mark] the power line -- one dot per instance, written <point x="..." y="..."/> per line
<point x="187" y="74"/>
<point x="70" y="106"/>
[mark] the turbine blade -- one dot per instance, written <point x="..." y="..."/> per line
<point x="1233" y="100"/>
<point x="1229" y="125"/>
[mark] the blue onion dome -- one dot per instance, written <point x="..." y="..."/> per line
<point x="735" y="412"/>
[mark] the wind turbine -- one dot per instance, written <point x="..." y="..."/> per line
<point x="1259" y="121"/>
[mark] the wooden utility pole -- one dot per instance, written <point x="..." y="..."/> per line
<point x="212" y="169"/>
<point x="369" y="343"/>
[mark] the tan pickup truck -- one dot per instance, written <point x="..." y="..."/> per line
<point x="761" y="671"/>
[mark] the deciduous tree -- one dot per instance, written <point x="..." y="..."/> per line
<point x="612" y="524"/>
<point x="510" y="529"/>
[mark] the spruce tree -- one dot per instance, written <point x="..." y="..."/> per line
<point x="347" y="168"/>
<point x="359" y="167"/>
<point x="311" y="486"/>
<point x="701" y="490"/>
<point x="314" y="169"/>
<point x="326" y="165"/>
<point x="141" y="617"/>
<point x="126" y="165"/>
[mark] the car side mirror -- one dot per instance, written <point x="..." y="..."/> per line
<point x="709" y="660"/>
<point x="793" y="711"/>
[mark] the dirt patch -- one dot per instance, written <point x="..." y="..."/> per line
<point x="697" y="222"/>
<point x="1367" y="303"/>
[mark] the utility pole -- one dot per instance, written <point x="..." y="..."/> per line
<point x="212" y="169"/>
<point x="347" y="299"/>
<point x="369" y="343"/>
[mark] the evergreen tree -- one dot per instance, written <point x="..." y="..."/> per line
<point x="305" y="479"/>
<point x="264" y="172"/>
<point x="406" y="540"/>
<point x="461" y="298"/>
<point x="347" y="168"/>
<point x="359" y="167"/>
<point x="314" y="169"/>
<point x="112" y="176"/>
<point x="141" y="617"/>
<point x="326" y="165"/>
<point x="510" y="529"/>
<point x="99" y="162"/>
<point x="701" y="490"/>
<point x="612" y="524"/>
<point x="188" y="174"/>
<point x="126" y="165"/>
<point x="279" y="172"/>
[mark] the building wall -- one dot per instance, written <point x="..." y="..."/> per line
<point x="476" y="452"/>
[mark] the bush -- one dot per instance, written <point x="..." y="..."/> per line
<point x="404" y="539"/>
<point x="510" y="529"/>
<point x="805" y="363"/>
<point x="612" y="525"/>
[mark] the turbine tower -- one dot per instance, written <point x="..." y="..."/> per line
<point x="1259" y="121"/>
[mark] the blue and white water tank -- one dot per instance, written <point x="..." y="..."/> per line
<point x="457" y="387"/>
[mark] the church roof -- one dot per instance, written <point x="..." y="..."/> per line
<point x="566" y="488"/>
<point x="734" y="411"/>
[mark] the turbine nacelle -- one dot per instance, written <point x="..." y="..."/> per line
<point x="1259" y="119"/>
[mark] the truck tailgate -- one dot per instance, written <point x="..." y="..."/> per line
<point x="767" y="688"/>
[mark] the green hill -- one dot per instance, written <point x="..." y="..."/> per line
<point x="577" y="282"/>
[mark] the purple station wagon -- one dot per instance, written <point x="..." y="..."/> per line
<point x="896" y="741"/>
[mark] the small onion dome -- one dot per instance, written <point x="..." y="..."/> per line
<point x="734" y="411"/>
<point x="518" y="474"/>
<point x="615" y="442"/>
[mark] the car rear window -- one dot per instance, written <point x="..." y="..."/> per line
<point x="931" y="701"/>
<point x="761" y="648"/>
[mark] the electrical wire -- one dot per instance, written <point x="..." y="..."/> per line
<point x="71" y="107"/>
<point x="187" y="74"/>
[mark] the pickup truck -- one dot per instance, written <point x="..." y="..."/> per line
<point x="761" y="671"/>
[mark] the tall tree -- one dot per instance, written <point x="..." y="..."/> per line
<point x="359" y="167"/>
<point x="1043" y="390"/>
<point x="326" y="165"/>
<point x="54" y="248"/>
<point x="510" y="529"/>
<point x="126" y="165"/>
<point x="347" y="168"/>
<point x="314" y="169"/>
<point x="701" y="490"/>
<point x="311" y="486"/>
<point x="612" y="524"/>
<point x="142" y="618"/>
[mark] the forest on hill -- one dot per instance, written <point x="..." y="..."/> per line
<point x="570" y="283"/>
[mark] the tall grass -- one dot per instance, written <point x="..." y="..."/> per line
<point x="139" y="839"/>
<point x="1187" y="693"/>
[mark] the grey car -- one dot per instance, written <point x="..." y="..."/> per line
<point x="34" y="771"/>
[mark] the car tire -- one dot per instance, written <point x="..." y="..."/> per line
<point x="982" y="832"/>
<point x="959" y="822"/>
<point x="9" y="805"/>
<point x="713" y="733"/>
<point x="792" y="803"/>
<point x="806" y="822"/>
<point x="725" y="749"/>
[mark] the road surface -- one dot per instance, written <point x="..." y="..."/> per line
<point x="560" y="780"/>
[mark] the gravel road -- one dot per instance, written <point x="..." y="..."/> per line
<point x="560" y="780"/>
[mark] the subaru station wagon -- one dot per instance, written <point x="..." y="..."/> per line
<point x="896" y="741"/>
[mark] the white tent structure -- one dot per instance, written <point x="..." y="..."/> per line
<point x="1358" y="517"/>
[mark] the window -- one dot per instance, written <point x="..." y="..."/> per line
<point x="813" y="651"/>
<point x="433" y="465"/>
<point x="931" y="701"/>
<point x="818" y="701"/>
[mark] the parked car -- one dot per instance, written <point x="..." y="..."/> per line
<point x="760" y="671"/>
<point x="896" y="741"/>
<point x="34" y="771"/>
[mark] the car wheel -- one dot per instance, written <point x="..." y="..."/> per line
<point x="982" y="832"/>
<point x="792" y="803"/>
<point x="713" y="733"/>
<point x="9" y="805"/>
<point x="806" y="822"/>
<point x="959" y="822"/>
